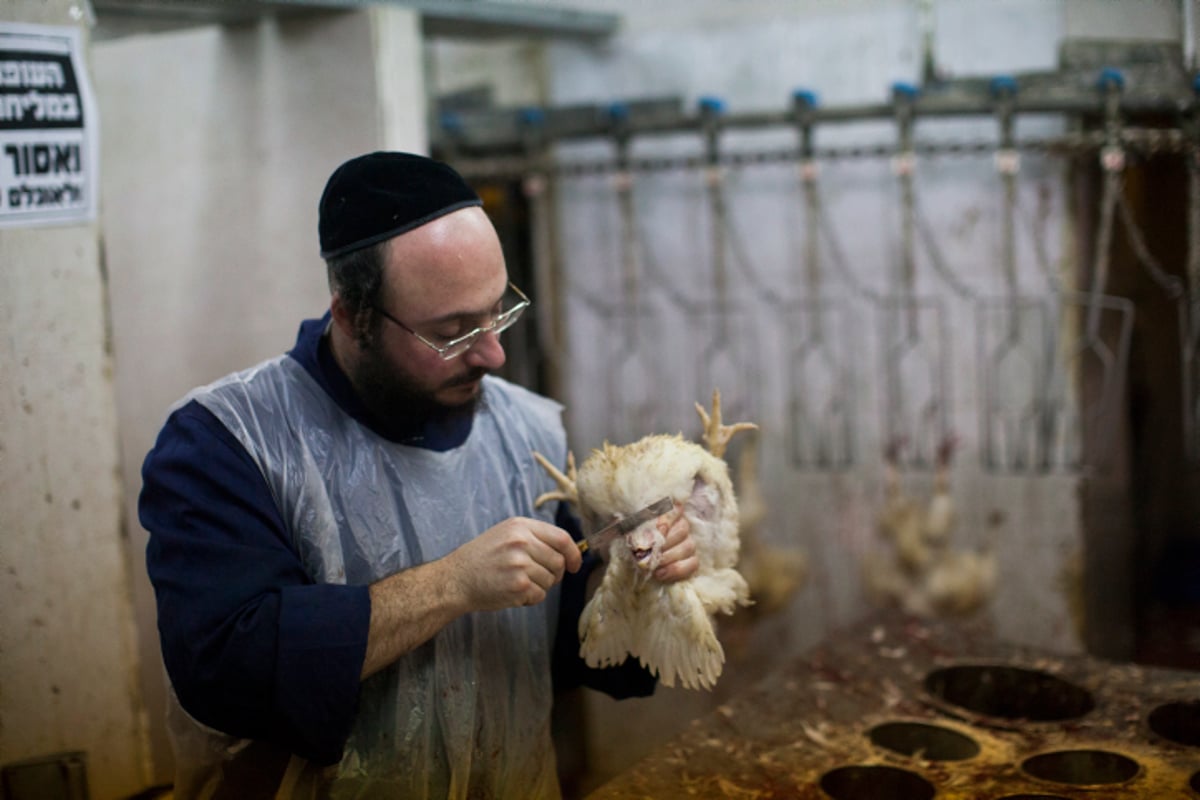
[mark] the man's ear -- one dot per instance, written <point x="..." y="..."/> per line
<point x="343" y="317"/>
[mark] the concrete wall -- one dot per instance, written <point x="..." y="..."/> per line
<point x="67" y="638"/>
<point x="219" y="141"/>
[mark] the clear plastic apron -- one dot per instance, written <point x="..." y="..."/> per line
<point x="467" y="714"/>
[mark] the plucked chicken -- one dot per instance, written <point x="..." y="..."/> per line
<point x="669" y="627"/>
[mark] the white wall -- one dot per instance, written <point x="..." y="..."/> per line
<point x="1142" y="20"/>
<point x="67" y="639"/>
<point x="219" y="142"/>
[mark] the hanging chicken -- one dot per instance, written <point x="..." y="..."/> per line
<point x="667" y="626"/>
<point x="924" y="575"/>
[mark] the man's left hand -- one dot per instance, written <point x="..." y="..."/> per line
<point x="679" y="561"/>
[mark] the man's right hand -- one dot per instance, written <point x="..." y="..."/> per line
<point x="513" y="563"/>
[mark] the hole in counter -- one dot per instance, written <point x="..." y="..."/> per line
<point x="1179" y="722"/>
<point x="930" y="742"/>
<point x="1081" y="767"/>
<point x="1010" y="693"/>
<point x="871" y="783"/>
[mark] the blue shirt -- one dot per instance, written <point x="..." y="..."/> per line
<point x="254" y="648"/>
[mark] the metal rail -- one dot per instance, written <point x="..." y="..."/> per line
<point x="1147" y="141"/>
<point x="1157" y="83"/>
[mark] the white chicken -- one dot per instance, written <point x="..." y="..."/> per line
<point x="925" y="576"/>
<point x="960" y="582"/>
<point x="902" y="519"/>
<point x="940" y="515"/>
<point x="669" y="627"/>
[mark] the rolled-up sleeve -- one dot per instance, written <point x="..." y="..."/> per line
<point x="253" y="647"/>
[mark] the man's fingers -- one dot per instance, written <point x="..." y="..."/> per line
<point x="678" y="570"/>
<point x="558" y="540"/>
<point x="543" y="578"/>
<point x="675" y="528"/>
<point x="684" y="548"/>
<point x="530" y="582"/>
<point x="533" y="595"/>
<point x="679" y="560"/>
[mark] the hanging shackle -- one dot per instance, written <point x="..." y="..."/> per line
<point x="1003" y="90"/>
<point x="1111" y="82"/>
<point x="711" y="111"/>
<point x="451" y="125"/>
<point x="618" y="122"/>
<point x="617" y="115"/>
<point x="904" y="97"/>
<point x="531" y="121"/>
<point x="804" y="103"/>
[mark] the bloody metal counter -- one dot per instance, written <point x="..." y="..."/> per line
<point x="898" y="708"/>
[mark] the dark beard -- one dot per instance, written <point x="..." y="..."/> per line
<point x="397" y="402"/>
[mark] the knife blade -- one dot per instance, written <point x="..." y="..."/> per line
<point x="626" y="524"/>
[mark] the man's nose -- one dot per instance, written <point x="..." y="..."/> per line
<point x="486" y="352"/>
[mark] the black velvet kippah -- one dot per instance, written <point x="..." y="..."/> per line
<point x="380" y="195"/>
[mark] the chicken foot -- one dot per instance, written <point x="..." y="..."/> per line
<point x="566" y="483"/>
<point x="717" y="435"/>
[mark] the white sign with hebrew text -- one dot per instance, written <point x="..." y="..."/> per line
<point x="49" y="142"/>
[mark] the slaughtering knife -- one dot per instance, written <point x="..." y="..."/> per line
<point x="624" y="525"/>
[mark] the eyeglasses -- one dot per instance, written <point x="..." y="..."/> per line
<point x="512" y="305"/>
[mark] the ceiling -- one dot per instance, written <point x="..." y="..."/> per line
<point x="439" y="18"/>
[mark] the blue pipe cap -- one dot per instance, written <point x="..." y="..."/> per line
<point x="1111" y="76"/>
<point x="1002" y="85"/>
<point x="804" y="98"/>
<point x="901" y="89"/>
<point x="618" y="112"/>
<point x="532" y="117"/>
<point x="712" y="105"/>
<point x="1196" y="83"/>
<point x="450" y="122"/>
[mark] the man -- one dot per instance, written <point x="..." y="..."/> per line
<point x="356" y="595"/>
